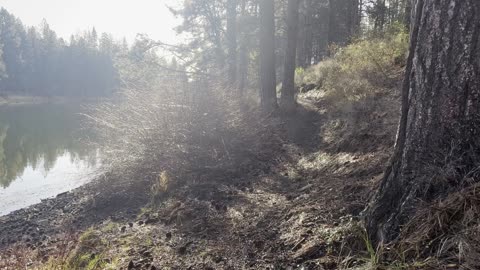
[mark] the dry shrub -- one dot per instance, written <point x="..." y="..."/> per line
<point x="163" y="135"/>
<point x="448" y="229"/>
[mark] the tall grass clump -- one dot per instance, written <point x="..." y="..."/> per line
<point x="361" y="70"/>
<point x="165" y="129"/>
<point x="171" y="128"/>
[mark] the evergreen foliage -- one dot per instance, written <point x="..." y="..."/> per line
<point x="38" y="63"/>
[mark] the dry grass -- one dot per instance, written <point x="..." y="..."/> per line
<point x="24" y="257"/>
<point x="359" y="72"/>
<point x="447" y="230"/>
<point x="164" y="134"/>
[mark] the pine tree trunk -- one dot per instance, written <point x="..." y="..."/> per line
<point x="288" y="87"/>
<point x="302" y="25"/>
<point x="438" y="144"/>
<point x="308" y="44"/>
<point x="352" y="22"/>
<point x="232" y="41"/>
<point x="267" y="56"/>
<point x="332" y="22"/>
<point x="305" y="49"/>
<point x="408" y="14"/>
<point x="243" y="54"/>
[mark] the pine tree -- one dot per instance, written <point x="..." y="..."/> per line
<point x="440" y="123"/>
<point x="267" y="56"/>
<point x="288" y="86"/>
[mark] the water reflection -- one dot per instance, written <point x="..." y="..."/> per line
<point x="37" y="140"/>
<point x="37" y="135"/>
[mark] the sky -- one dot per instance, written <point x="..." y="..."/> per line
<point x="121" y="18"/>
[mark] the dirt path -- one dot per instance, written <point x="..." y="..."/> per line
<point x="287" y="211"/>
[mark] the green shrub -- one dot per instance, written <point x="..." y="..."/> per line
<point x="299" y="75"/>
<point x="360" y="70"/>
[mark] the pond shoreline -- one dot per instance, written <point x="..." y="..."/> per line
<point x="14" y="100"/>
<point x="42" y="225"/>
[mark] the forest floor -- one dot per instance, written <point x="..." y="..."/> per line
<point x="293" y="205"/>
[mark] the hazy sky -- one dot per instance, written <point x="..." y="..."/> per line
<point x="118" y="17"/>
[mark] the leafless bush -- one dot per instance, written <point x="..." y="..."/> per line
<point x="163" y="134"/>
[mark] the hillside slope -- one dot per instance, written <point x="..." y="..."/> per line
<point x="289" y="196"/>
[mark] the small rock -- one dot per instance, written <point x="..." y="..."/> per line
<point x="130" y="224"/>
<point x="168" y="236"/>
<point x="123" y="229"/>
<point x="62" y="194"/>
<point x="217" y="259"/>
<point x="140" y="222"/>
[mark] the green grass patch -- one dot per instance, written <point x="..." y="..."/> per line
<point x="360" y="70"/>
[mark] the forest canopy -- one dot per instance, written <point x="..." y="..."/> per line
<point x="35" y="61"/>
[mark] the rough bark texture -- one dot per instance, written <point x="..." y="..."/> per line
<point x="305" y="49"/>
<point x="353" y="18"/>
<point x="288" y="86"/>
<point x="232" y="41"/>
<point x="267" y="55"/>
<point x="243" y="54"/>
<point x="407" y="20"/>
<point x="438" y="142"/>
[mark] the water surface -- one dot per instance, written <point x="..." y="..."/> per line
<point x="43" y="152"/>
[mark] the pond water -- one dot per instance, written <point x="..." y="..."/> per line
<point x="43" y="152"/>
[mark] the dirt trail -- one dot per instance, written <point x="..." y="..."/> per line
<point x="286" y="212"/>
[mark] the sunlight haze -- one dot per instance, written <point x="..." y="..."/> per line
<point x="268" y="134"/>
<point x="120" y="18"/>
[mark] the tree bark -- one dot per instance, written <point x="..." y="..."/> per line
<point x="305" y="49"/>
<point x="407" y="20"/>
<point x="308" y="43"/>
<point x="267" y="56"/>
<point x="243" y="54"/>
<point x="332" y="22"/>
<point x="440" y="123"/>
<point x="288" y="87"/>
<point x="232" y="41"/>
<point x="352" y="21"/>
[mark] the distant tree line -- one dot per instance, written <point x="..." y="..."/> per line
<point x="34" y="61"/>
